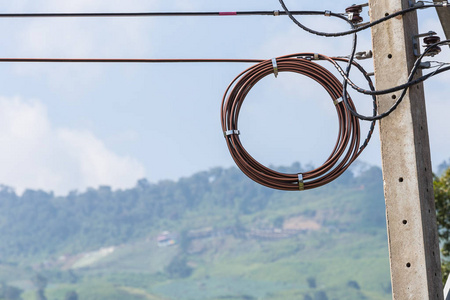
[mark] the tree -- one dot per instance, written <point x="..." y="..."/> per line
<point x="40" y="295"/>
<point x="311" y="282"/>
<point x="71" y="295"/>
<point x="9" y="292"/>
<point x="353" y="284"/>
<point x="320" y="295"/>
<point x="239" y="230"/>
<point x="442" y="198"/>
<point x="41" y="283"/>
<point x="185" y="241"/>
<point x="178" y="268"/>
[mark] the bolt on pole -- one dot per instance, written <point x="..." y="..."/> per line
<point x="408" y="183"/>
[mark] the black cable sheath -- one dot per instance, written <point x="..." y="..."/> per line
<point x="409" y="83"/>
<point x="131" y="60"/>
<point x="347" y="147"/>
<point x="346" y="74"/>
<point x="354" y="30"/>
<point x="396" y="88"/>
<point x="157" y="14"/>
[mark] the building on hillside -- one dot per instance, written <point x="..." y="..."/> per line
<point x="166" y="239"/>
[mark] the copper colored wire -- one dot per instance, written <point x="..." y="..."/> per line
<point x="347" y="147"/>
<point x="127" y="60"/>
<point x="345" y="151"/>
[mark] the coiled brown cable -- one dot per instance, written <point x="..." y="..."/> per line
<point x="347" y="147"/>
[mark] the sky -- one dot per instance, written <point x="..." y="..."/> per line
<point x="66" y="127"/>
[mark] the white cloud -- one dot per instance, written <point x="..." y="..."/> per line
<point x="37" y="155"/>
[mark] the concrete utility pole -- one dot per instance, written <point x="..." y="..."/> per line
<point x="408" y="183"/>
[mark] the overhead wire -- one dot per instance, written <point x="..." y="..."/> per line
<point x="344" y="152"/>
<point x="348" y="145"/>
<point x="358" y="28"/>
<point x="156" y="14"/>
<point x="354" y="30"/>
<point x="129" y="60"/>
<point x="410" y="82"/>
<point x="347" y="81"/>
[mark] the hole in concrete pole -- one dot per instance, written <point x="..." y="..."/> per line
<point x="389" y="56"/>
<point x="386" y="14"/>
<point x="408" y="265"/>
<point x="400" y="179"/>
<point x="394" y="97"/>
<point x="405" y="222"/>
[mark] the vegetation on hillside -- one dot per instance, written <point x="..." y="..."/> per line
<point x="442" y="198"/>
<point x="234" y="239"/>
<point x="38" y="223"/>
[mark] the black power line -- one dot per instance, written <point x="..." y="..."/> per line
<point x="130" y="60"/>
<point x="359" y="28"/>
<point x="156" y="14"/>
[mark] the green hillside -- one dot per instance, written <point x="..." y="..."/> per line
<point x="214" y="235"/>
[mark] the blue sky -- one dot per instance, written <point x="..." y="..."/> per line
<point x="71" y="126"/>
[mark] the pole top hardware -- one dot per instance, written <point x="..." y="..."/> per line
<point x="416" y="41"/>
<point x="354" y="11"/>
<point x="430" y="40"/>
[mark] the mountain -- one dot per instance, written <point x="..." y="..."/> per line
<point x="213" y="235"/>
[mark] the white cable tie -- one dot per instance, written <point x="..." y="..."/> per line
<point x="327" y="13"/>
<point x="444" y="3"/>
<point x="301" y="184"/>
<point x="275" y="67"/>
<point x="338" y="100"/>
<point x="231" y="132"/>
<point x="276" y="13"/>
<point x="316" y="56"/>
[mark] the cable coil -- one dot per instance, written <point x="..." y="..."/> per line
<point x="347" y="147"/>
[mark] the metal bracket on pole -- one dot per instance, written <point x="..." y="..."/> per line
<point x="364" y="55"/>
